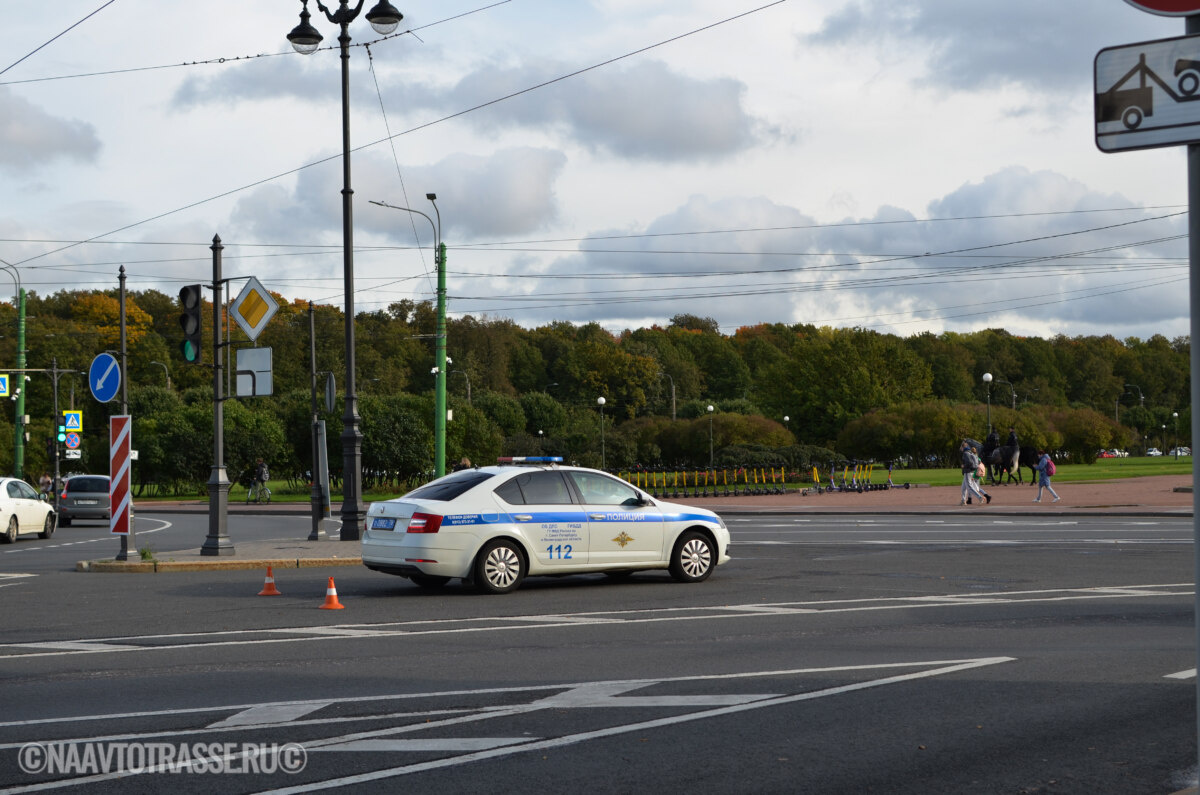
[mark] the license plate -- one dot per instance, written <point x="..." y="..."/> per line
<point x="383" y="523"/>
<point x="87" y="502"/>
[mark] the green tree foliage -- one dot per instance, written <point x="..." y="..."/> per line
<point x="848" y="393"/>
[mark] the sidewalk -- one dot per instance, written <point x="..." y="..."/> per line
<point x="1167" y="495"/>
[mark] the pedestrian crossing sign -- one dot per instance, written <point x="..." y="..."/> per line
<point x="3" y="384"/>
<point x="73" y="420"/>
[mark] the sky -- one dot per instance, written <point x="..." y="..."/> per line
<point x="924" y="166"/>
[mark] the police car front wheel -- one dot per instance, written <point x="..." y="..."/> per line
<point x="693" y="558"/>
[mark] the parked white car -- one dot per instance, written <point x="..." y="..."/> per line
<point x="23" y="511"/>
<point x="494" y="525"/>
<point x="1154" y="451"/>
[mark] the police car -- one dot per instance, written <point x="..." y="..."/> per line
<point x="493" y="525"/>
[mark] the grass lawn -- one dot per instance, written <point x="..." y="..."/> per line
<point x="1103" y="469"/>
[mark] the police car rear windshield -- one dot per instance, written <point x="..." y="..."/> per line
<point x="451" y="486"/>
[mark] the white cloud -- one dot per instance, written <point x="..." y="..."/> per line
<point x="29" y="136"/>
<point x="878" y="114"/>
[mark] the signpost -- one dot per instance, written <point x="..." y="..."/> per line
<point x="253" y="308"/>
<point x="104" y="377"/>
<point x="1186" y="70"/>
<point x="119" y="474"/>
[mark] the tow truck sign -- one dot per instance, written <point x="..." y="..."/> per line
<point x="1148" y="94"/>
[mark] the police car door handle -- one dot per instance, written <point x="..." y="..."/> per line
<point x="596" y="516"/>
<point x="523" y="517"/>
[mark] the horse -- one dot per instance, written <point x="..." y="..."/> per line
<point x="1005" y="460"/>
<point x="988" y="454"/>
<point x="1029" y="458"/>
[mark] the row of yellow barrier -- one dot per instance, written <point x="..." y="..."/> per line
<point x="706" y="483"/>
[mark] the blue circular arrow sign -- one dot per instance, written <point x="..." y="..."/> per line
<point x="104" y="377"/>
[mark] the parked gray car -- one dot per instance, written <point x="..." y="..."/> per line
<point x="83" y="497"/>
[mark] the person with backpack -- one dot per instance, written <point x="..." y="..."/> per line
<point x="970" y="469"/>
<point x="258" y="491"/>
<point x="1046" y="470"/>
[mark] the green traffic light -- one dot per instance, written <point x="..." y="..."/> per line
<point x="190" y="352"/>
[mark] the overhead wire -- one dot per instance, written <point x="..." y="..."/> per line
<point x="56" y="37"/>
<point x="231" y="59"/>
<point x="958" y="270"/>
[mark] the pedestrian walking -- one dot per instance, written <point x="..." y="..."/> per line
<point x="970" y="468"/>
<point x="1046" y="470"/>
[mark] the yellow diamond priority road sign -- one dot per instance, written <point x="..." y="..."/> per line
<point x="253" y="308"/>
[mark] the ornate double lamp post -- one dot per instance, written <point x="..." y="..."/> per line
<point x="305" y="40"/>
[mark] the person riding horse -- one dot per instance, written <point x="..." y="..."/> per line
<point x="1001" y="460"/>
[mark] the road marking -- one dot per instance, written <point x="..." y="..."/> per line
<point x="427" y="746"/>
<point x="250" y="637"/>
<point x="582" y="695"/>
<point x="1188" y="674"/>
<point x="25" y="548"/>
<point x="572" y="739"/>
<point x="270" y="713"/>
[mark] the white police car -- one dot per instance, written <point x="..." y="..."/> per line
<point x="494" y="525"/>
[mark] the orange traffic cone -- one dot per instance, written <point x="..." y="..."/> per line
<point x="269" y="588"/>
<point x="331" y="600"/>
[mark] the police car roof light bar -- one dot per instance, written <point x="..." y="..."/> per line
<point x="529" y="459"/>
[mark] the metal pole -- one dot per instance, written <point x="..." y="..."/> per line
<point x="1193" y="167"/>
<point x="19" y="454"/>
<point x="352" y="512"/>
<point x="128" y="540"/>
<point x="439" y="419"/>
<point x="57" y="471"/>
<point x="124" y="369"/>
<point x="318" y="507"/>
<point x="218" y="541"/>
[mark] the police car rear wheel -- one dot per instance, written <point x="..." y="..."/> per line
<point x="48" y="527"/>
<point x="693" y="558"/>
<point x="10" y="535"/>
<point x="499" y="567"/>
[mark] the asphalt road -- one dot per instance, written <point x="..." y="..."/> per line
<point x="903" y="654"/>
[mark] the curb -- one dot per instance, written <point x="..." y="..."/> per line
<point x="156" y="566"/>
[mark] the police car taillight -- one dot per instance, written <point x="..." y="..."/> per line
<point x="424" y="523"/>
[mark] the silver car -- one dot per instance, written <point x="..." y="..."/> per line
<point x="83" y="497"/>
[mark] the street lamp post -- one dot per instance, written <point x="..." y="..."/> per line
<point x="1175" y="417"/>
<point x="165" y="371"/>
<point x="19" y="398"/>
<point x="987" y="379"/>
<point x="305" y="39"/>
<point x="600" y="402"/>
<point x="440" y="361"/>
<point x="710" y="437"/>
<point x="1141" y="397"/>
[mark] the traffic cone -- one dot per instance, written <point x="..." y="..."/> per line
<point x="269" y="588"/>
<point x="331" y="600"/>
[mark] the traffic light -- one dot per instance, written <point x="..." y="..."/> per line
<point x="189" y="296"/>
<point x="62" y="433"/>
